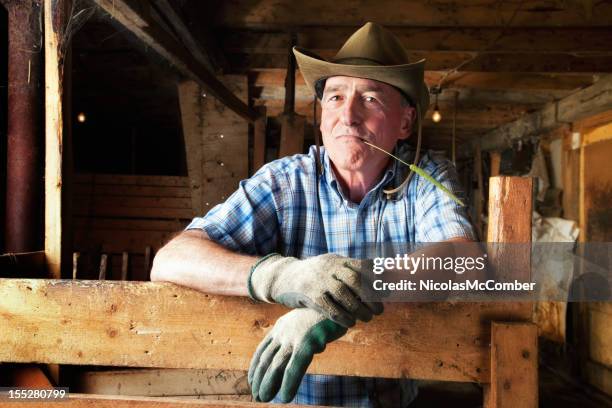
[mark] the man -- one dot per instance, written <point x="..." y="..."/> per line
<point x="297" y="231"/>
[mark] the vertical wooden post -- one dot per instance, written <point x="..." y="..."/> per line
<point x="55" y="16"/>
<point x="478" y="197"/>
<point x="190" y="101"/>
<point x="292" y="134"/>
<point x="292" y="124"/>
<point x="103" y="267"/>
<point x="514" y="365"/>
<point x="147" y="262"/>
<point x="495" y="163"/>
<point x="510" y="208"/>
<point x="125" y="265"/>
<point x="514" y="375"/>
<point x="259" y="139"/>
<point x="75" y="264"/>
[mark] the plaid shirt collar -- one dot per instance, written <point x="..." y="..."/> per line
<point x="393" y="175"/>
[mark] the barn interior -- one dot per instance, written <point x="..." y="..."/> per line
<point x="122" y="120"/>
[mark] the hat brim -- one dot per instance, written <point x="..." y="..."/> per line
<point x="409" y="78"/>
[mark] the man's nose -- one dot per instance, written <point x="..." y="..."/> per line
<point x="351" y="112"/>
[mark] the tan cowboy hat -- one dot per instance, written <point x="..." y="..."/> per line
<point x="372" y="52"/>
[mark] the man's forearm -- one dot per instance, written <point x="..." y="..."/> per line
<point x="193" y="260"/>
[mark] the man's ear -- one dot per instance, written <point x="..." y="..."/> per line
<point x="408" y="118"/>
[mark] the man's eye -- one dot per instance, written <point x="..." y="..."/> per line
<point x="334" y="98"/>
<point x="370" y="99"/>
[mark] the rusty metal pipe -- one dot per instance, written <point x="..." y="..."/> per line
<point x="24" y="145"/>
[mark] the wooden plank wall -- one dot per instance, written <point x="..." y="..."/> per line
<point x="596" y="226"/>
<point x="116" y="213"/>
<point x="216" y="140"/>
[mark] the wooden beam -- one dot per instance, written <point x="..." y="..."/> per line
<point x="111" y="401"/>
<point x="514" y="366"/>
<point x="495" y="163"/>
<point x="292" y="134"/>
<point x="281" y="14"/>
<point x="585" y="41"/>
<point x="55" y="19"/>
<point x="171" y="14"/>
<point x="556" y="63"/>
<point x="511" y="80"/>
<point x="161" y="382"/>
<point x="513" y="345"/>
<point x="478" y="193"/>
<point x="510" y="212"/>
<point x="24" y="265"/>
<point x="586" y="102"/>
<point x="139" y="22"/>
<point x="553" y="84"/>
<point x="259" y="139"/>
<point x="190" y="102"/>
<point x="143" y="324"/>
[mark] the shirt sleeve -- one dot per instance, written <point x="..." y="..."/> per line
<point x="440" y="218"/>
<point x="249" y="220"/>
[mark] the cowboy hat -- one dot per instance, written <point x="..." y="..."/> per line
<point x="372" y="52"/>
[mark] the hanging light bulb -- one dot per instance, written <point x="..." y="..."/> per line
<point x="81" y="117"/>
<point x="436" y="116"/>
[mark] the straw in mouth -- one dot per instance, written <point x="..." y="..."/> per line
<point x="421" y="173"/>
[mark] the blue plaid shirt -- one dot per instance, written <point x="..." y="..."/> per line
<point x="277" y="210"/>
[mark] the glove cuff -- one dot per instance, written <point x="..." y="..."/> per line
<point x="250" y="289"/>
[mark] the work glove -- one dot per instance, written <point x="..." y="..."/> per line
<point x="282" y="358"/>
<point x="332" y="285"/>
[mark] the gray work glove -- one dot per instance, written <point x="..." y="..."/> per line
<point x="331" y="284"/>
<point x="282" y="358"/>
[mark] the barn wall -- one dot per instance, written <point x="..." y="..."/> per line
<point x="596" y="222"/>
<point x="116" y="213"/>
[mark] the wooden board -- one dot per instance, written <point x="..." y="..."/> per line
<point x="225" y="156"/>
<point x="600" y="340"/>
<point x="143" y="324"/>
<point x="488" y="13"/>
<point x="24" y="265"/>
<point x="510" y="222"/>
<point x="111" y="190"/>
<point x="259" y="139"/>
<point x="133" y="180"/>
<point x="55" y="239"/>
<point x="107" y="401"/>
<point x="190" y="99"/>
<point x="162" y="382"/>
<point x="514" y="365"/>
<point x="292" y="135"/>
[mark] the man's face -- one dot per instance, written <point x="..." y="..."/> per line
<point x="357" y="109"/>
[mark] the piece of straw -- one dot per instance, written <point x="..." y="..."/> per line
<point x="421" y="173"/>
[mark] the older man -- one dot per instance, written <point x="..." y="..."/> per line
<point x="295" y="232"/>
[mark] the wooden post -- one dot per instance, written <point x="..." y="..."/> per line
<point x="495" y="163"/>
<point x="55" y="16"/>
<point x="478" y="196"/>
<point x="147" y="262"/>
<point x="510" y="208"/>
<point x="259" y="139"/>
<point x="292" y="125"/>
<point x="190" y="101"/>
<point x="103" y="267"/>
<point x="514" y="375"/>
<point x="125" y="264"/>
<point x="292" y="134"/>
<point x="514" y="365"/>
<point x="75" y="264"/>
